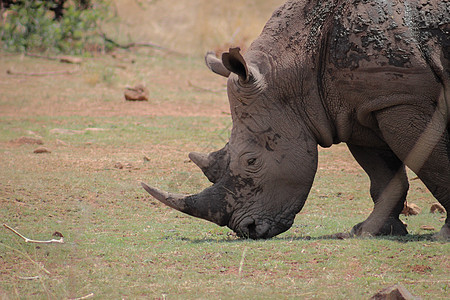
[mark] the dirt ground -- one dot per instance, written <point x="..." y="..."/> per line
<point x="89" y="85"/>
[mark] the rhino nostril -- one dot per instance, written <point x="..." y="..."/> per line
<point x="247" y="228"/>
<point x="255" y="231"/>
<point x="252" y="233"/>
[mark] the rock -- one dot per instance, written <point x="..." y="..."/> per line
<point x="61" y="143"/>
<point x="123" y="57"/>
<point x="410" y="209"/>
<point x="118" y="165"/>
<point x="41" y="150"/>
<point x="72" y="131"/>
<point x="27" y="140"/>
<point x="70" y="60"/>
<point x="65" y="131"/>
<point x="128" y="166"/>
<point x="137" y="93"/>
<point x="427" y="227"/>
<point x="437" y="207"/>
<point x="394" y="292"/>
<point x="94" y="129"/>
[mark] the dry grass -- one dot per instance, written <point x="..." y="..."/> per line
<point x="193" y="26"/>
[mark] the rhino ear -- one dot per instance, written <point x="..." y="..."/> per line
<point x="215" y="64"/>
<point x="235" y="62"/>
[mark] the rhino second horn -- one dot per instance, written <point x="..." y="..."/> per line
<point x="200" y="159"/>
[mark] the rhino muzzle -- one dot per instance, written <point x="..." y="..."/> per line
<point x="258" y="228"/>
<point x="210" y="205"/>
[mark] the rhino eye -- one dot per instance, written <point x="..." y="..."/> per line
<point x="251" y="161"/>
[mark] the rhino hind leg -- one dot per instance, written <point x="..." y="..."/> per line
<point x="388" y="189"/>
<point x="423" y="144"/>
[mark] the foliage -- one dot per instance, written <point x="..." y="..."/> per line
<point x="31" y="26"/>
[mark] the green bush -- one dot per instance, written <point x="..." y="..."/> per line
<point x="31" y="27"/>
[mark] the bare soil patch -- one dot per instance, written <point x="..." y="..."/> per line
<point x="98" y="85"/>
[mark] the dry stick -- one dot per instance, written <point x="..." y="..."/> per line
<point x="205" y="89"/>
<point x="132" y="45"/>
<point x="29" y="278"/>
<point x="10" y="72"/>
<point x="27" y="240"/>
<point x="41" y="56"/>
<point x="241" y="264"/>
<point x="84" y="297"/>
<point x="63" y="59"/>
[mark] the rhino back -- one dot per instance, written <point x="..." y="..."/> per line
<point x="389" y="32"/>
<point x="405" y="40"/>
<point x="353" y="52"/>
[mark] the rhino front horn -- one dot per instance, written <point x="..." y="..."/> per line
<point x="176" y="201"/>
<point x="208" y="205"/>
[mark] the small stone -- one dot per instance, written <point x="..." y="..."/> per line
<point x="42" y="150"/>
<point x="70" y="60"/>
<point x="394" y="292"/>
<point x="410" y="209"/>
<point x="95" y="129"/>
<point x="137" y="93"/>
<point x="61" y="143"/>
<point x="65" y="131"/>
<point x="427" y="227"/>
<point x="57" y="234"/>
<point x="437" y="207"/>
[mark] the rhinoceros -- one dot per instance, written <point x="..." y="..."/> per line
<point x="371" y="74"/>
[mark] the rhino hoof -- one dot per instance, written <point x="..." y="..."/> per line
<point x="393" y="226"/>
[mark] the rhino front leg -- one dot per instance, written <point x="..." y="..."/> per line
<point x="388" y="189"/>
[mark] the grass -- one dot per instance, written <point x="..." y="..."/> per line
<point x="192" y="26"/>
<point x="120" y="243"/>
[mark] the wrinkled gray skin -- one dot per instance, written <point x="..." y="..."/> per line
<point x="371" y="74"/>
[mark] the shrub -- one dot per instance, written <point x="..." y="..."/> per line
<point x="35" y="26"/>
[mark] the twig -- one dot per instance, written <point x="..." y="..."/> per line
<point x="241" y="264"/>
<point x="84" y="297"/>
<point x="41" y="56"/>
<point x="27" y="240"/>
<point x="425" y="281"/>
<point x="29" y="278"/>
<point x="62" y="59"/>
<point x="205" y="89"/>
<point x="139" y="44"/>
<point x="10" y="72"/>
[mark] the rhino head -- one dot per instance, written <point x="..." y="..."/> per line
<point x="262" y="177"/>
